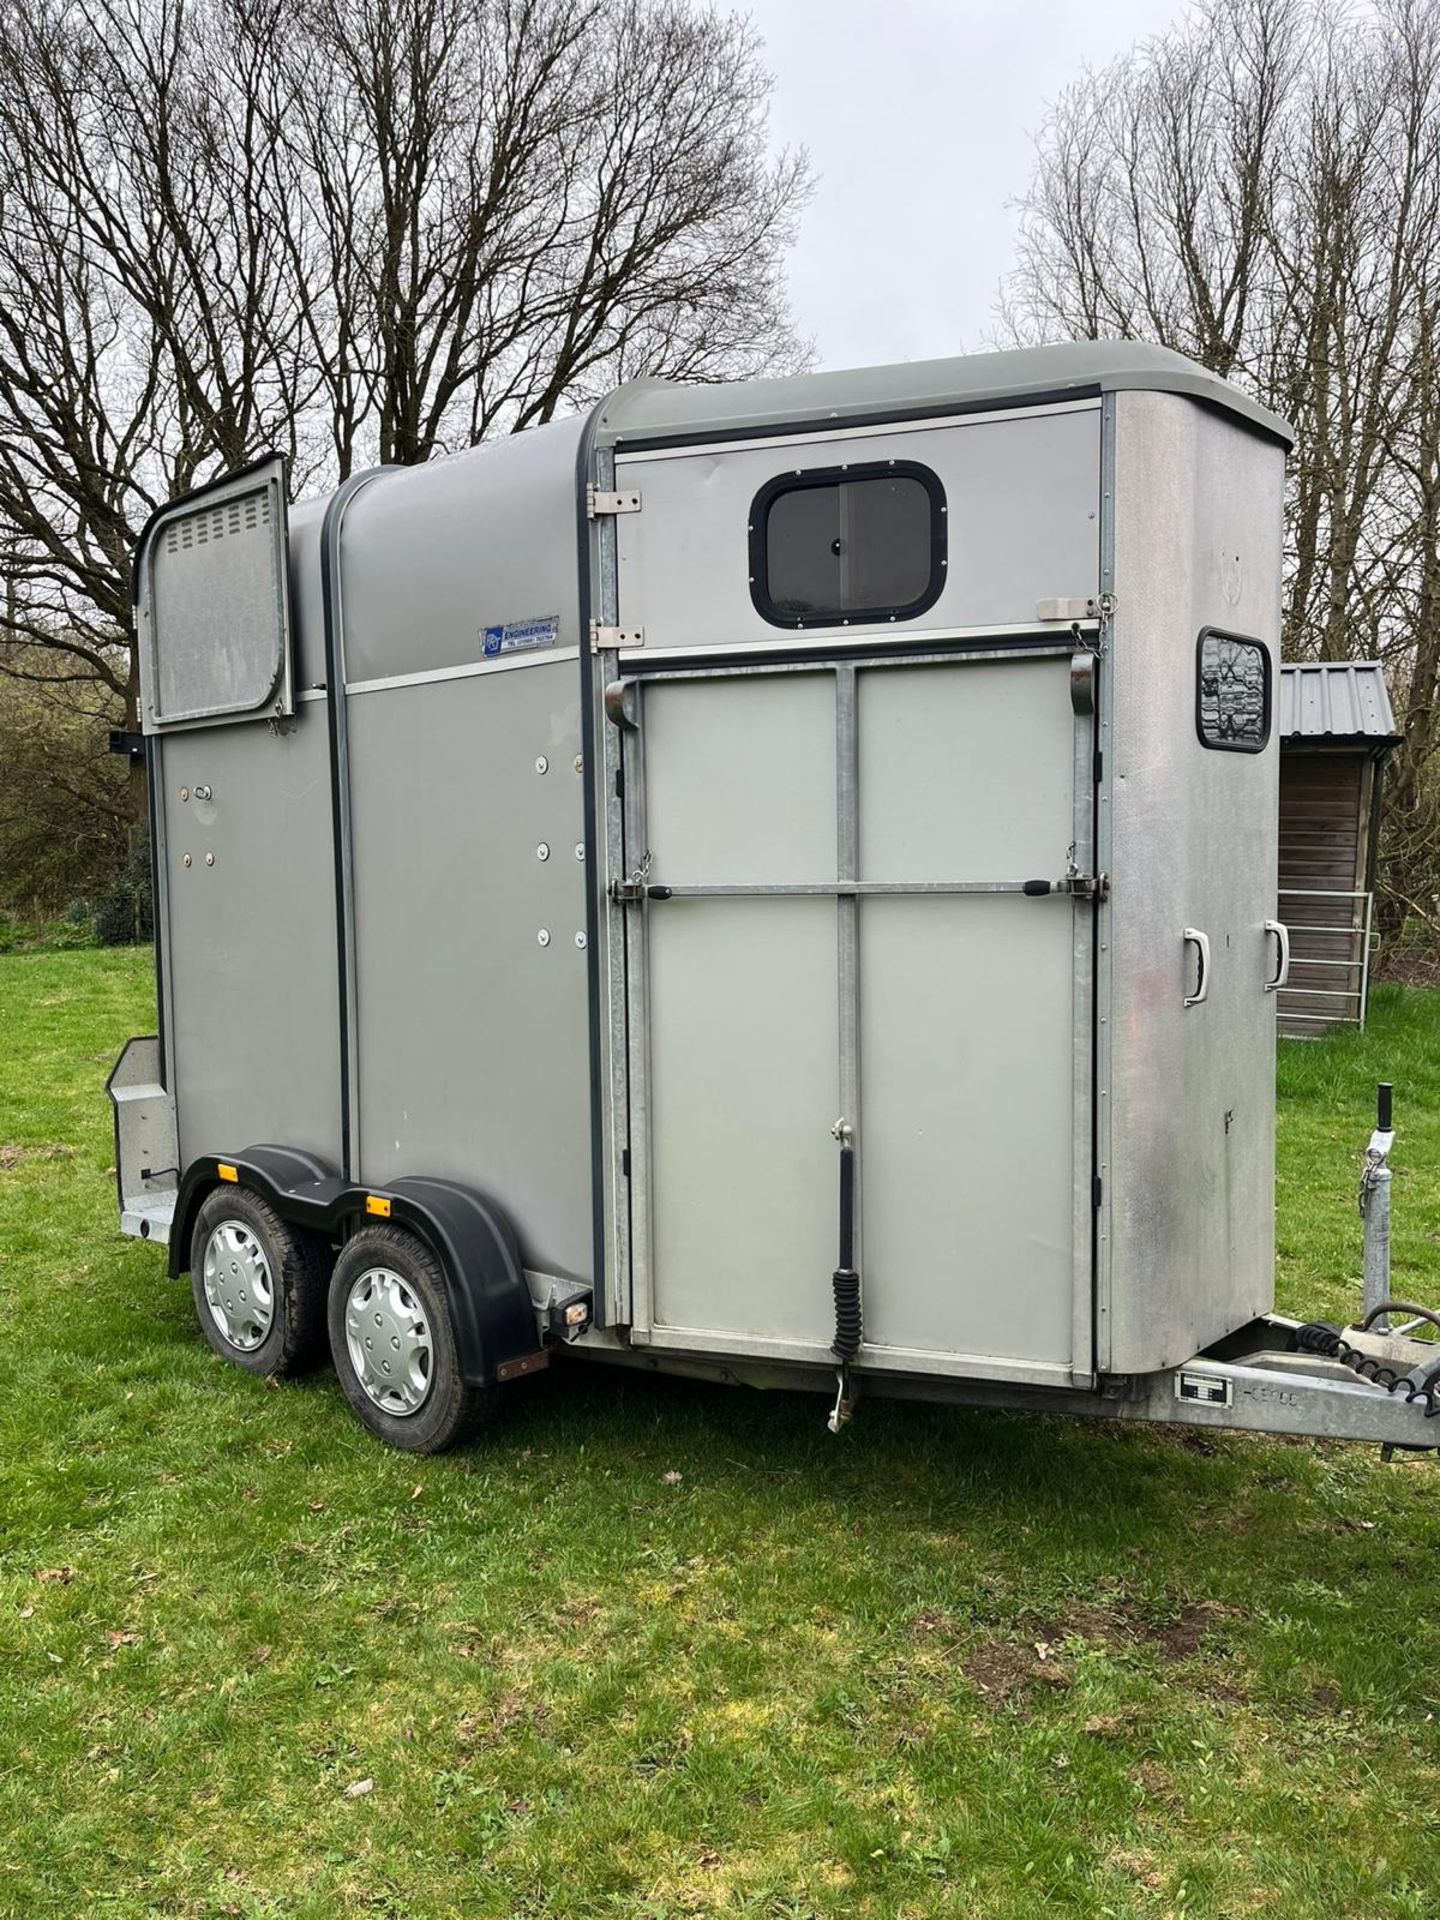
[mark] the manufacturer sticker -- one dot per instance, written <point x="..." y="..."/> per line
<point x="520" y="636"/>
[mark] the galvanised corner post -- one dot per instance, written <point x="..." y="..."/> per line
<point x="1375" y="1205"/>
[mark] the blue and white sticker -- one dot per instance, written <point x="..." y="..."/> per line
<point x="520" y="636"/>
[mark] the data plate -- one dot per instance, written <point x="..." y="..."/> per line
<point x="1204" y="1389"/>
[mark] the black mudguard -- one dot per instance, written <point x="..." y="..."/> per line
<point x="495" y="1328"/>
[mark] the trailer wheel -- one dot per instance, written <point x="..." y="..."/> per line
<point x="258" y="1283"/>
<point x="393" y="1344"/>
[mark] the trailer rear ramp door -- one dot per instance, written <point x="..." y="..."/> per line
<point x="845" y="917"/>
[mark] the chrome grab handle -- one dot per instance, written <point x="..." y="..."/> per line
<point x="1201" y="943"/>
<point x="1282" y="955"/>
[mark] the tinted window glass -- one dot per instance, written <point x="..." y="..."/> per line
<point x="1234" y="692"/>
<point x="865" y="544"/>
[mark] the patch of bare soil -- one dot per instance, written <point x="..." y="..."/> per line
<point x="19" y="1156"/>
<point x="1001" y="1671"/>
<point x="489" y="1728"/>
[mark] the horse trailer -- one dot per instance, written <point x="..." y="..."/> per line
<point x="773" y="882"/>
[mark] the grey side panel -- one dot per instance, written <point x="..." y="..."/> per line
<point x="440" y="552"/>
<point x="1021" y="522"/>
<point x="253" y="1039"/>
<point x="472" y="1035"/>
<point x="1198" y="520"/>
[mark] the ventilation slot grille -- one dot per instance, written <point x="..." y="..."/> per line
<point x="198" y="529"/>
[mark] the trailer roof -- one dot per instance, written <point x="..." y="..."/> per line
<point x="651" y="410"/>
<point x="1336" y="701"/>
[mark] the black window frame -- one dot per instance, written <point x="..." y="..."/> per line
<point x="1244" y="640"/>
<point x="797" y="481"/>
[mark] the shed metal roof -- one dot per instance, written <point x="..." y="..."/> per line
<point x="648" y="410"/>
<point x="1335" y="700"/>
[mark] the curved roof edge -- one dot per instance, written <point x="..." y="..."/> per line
<point x="647" y="410"/>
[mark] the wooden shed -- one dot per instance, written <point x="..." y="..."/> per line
<point x="1336" y="727"/>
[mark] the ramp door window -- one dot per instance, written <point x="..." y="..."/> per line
<point x="1233" y="692"/>
<point x="843" y="544"/>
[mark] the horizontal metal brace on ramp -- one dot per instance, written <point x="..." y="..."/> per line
<point x="1082" y="886"/>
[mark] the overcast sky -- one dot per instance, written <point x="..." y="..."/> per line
<point x="919" y="117"/>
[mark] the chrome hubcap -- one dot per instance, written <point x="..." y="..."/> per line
<point x="238" y="1288"/>
<point x="388" y="1334"/>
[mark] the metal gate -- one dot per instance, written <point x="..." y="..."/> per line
<point x="862" y="898"/>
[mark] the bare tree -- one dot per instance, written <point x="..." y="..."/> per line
<point x="611" y="211"/>
<point x="1260" y="188"/>
<point x="355" y="230"/>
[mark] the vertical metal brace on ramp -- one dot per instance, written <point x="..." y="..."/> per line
<point x="849" y="1318"/>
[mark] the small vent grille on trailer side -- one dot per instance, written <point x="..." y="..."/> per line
<point x="215" y="523"/>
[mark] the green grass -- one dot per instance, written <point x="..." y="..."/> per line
<point x="655" y="1649"/>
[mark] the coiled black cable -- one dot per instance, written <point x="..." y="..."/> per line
<point x="1318" y="1336"/>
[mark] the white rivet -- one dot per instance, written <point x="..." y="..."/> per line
<point x="543" y="936"/>
<point x="542" y="765"/>
<point x="187" y="860"/>
<point x="542" y="852"/>
<point x="209" y="859"/>
<point x="580" y="940"/>
<point x="579" y="849"/>
<point x="184" y="793"/>
<point x="579" y="763"/>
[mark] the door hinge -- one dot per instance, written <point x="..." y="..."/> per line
<point x="602" y="637"/>
<point x="1097" y="1190"/>
<point x="598" y="502"/>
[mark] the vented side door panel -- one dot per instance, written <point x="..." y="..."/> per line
<point x="214" y="605"/>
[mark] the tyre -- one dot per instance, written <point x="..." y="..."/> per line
<point x="258" y="1283"/>
<point x="393" y="1343"/>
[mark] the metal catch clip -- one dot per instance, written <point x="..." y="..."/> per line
<point x="629" y="893"/>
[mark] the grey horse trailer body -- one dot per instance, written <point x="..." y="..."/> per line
<point x="644" y="857"/>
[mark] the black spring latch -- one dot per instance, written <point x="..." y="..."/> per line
<point x="849" y="1316"/>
